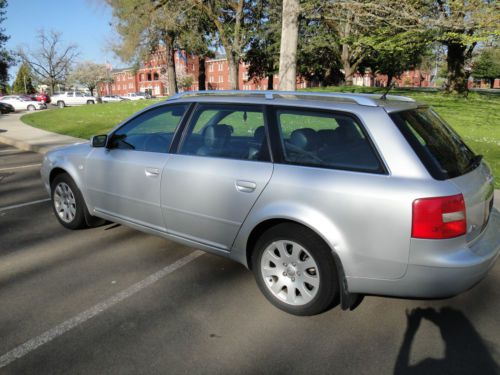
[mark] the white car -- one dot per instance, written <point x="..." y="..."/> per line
<point x="112" y="99"/>
<point x="134" y="96"/>
<point x="22" y="104"/>
<point x="71" y="98"/>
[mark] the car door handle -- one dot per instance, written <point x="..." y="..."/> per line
<point x="245" y="186"/>
<point x="152" y="172"/>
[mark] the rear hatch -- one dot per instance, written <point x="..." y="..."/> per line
<point x="447" y="157"/>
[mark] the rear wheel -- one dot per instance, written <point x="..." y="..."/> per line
<point x="60" y="104"/>
<point x="90" y="102"/>
<point x="295" y="269"/>
<point x="67" y="202"/>
<point x="31" y="108"/>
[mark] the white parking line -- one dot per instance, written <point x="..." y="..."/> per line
<point x="21" y="166"/>
<point x="10" y="150"/>
<point x="69" y="324"/>
<point x="23" y="204"/>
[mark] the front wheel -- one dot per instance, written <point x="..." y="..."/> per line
<point x="31" y="108"/>
<point x="60" y="104"/>
<point x="67" y="202"/>
<point x="90" y="102"/>
<point x="295" y="270"/>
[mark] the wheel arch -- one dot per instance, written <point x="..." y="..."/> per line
<point x="347" y="300"/>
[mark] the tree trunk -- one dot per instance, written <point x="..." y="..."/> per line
<point x="233" y="71"/>
<point x="270" y="83"/>
<point x="346" y="65"/>
<point x="170" y="54"/>
<point x="201" y="74"/>
<point x="288" y="47"/>
<point x="457" y="76"/>
<point x="389" y="80"/>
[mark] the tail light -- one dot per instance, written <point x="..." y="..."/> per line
<point x="439" y="218"/>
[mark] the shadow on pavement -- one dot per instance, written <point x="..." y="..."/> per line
<point x="465" y="352"/>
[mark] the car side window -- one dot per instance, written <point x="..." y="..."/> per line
<point x="69" y="95"/>
<point x="151" y="131"/>
<point x="227" y="131"/>
<point x="325" y="139"/>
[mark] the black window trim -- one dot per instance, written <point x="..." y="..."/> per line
<point x="280" y="154"/>
<point x="188" y="124"/>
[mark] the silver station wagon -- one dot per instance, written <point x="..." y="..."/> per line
<point x="325" y="197"/>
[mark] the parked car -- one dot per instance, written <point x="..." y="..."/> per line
<point x="21" y="103"/>
<point x="111" y="99"/>
<point x="320" y="195"/>
<point x="6" y="108"/>
<point x="72" y="98"/>
<point x="135" y="96"/>
<point x="42" y="97"/>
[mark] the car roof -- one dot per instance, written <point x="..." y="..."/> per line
<point x="330" y="100"/>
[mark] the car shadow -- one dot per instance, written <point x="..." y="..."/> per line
<point x="465" y="353"/>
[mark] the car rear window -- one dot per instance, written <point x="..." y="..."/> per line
<point x="440" y="149"/>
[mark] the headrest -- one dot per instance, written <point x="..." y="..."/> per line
<point x="216" y="135"/>
<point x="305" y="139"/>
<point x="259" y="134"/>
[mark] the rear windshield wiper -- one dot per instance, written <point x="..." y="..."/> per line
<point x="474" y="162"/>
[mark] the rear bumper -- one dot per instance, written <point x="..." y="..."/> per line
<point x="443" y="270"/>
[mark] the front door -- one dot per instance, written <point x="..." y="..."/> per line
<point x="221" y="168"/>
<point x="124" y="179"/>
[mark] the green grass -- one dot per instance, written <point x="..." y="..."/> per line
<point x="476" y="119"/>
<point x="87" y="120"/>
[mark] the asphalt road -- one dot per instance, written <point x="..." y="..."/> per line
<point x="111" y="300"/>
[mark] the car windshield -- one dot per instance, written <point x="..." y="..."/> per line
<point x="441" y="150"/>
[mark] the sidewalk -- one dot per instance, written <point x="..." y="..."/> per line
<point x="15" y="133"/>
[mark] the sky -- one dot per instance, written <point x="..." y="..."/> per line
<point x="82" y="22"/>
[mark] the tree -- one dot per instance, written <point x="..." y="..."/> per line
<point x="52" y="62"/>
<point x="487" y="65"/>
<point x="146" y="27"/>
<point x="6" y="59"/>
<point x="24" y="81"/>
<point x="229" y="25"/>
<point x="89" y="74"/>
<point x="392" y="51"/>
<point x="263" y="51"/>
<point x="288" y="48"/>
<point x="460" y="26"/>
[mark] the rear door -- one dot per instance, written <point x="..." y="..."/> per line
<point x="220" y="170"/>
<point x="447" y="157"/>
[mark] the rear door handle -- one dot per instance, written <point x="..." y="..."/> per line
<point x="152" y="172"/>
<point x="245" y="186"/>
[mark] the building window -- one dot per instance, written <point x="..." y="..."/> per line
<point x="245" y="76"/>
<point x="221" y="79"/>
<point x="130" y="85"/>
<point x="156" y="77"/>
<point x="211" y="68"/>
<point x="220" y="67"/>
<point x="149" y="76"/>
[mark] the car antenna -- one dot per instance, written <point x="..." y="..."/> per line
<point x="389" y="88"/>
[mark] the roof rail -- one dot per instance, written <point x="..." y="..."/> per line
<point x="362" y="99"/>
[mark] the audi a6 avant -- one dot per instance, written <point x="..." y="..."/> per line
<point x="325" y="197"/>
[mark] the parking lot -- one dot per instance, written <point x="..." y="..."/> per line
<point x="116" y="301"/>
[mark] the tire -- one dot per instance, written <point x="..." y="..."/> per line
<point x="304" y="279"/>
<point x="61" y="104"/>
<point x="31" y="108"/>
<point x="67" y="202"/>
<point x="90" y="102"/>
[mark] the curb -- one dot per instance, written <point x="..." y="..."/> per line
<point x="16" y="133"/>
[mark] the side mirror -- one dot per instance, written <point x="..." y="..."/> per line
<point x="99" y="140"/>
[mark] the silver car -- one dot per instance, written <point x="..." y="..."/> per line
<point x="323" y="196"/>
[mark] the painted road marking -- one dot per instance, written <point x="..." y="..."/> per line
<point x="22" y="166"/>
<point x="75" y="321"/>
<point x="23" y="204"/>
<point x="10" y="150"/>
